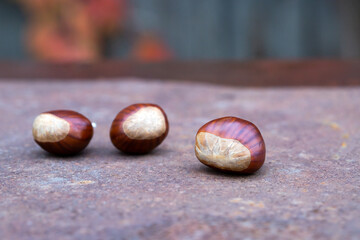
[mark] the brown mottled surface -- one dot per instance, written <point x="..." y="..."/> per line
<point x="308" y="187"/>
<point x="259" y="73"/>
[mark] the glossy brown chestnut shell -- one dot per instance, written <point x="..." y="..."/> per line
<point x="230" y="144"/>
<point x="62" y="132"/>
<point x="139" y="128"/>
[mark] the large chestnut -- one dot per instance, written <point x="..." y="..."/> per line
<point x="230" y="144"/>
<point x="62" y="132"/>
<point x="139" y="128"/>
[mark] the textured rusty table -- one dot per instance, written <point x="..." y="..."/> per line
<point x="307" y="189"/>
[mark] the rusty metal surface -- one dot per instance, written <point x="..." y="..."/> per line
<point x="308" y="187"/>
<point x="259" y="73"/>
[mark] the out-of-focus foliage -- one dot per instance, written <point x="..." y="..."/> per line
<point x="76" y="30"/>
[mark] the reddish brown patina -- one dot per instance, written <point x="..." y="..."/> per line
<point x="307" y="188"/>
<point x="265" y="73"/>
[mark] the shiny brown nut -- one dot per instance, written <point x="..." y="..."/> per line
<point x="230" y="144"/>
<point x="62" y="132"/>
<point x="139" y="128"/>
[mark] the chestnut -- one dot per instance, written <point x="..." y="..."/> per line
<point x="62" y="132"/>
<point x="139" y="128"/>
<point x="230" y="144"/>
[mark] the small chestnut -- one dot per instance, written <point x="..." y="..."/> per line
<point x="139" y="128"/>
<point x="62" y="132"/>
<point x="230" y="144"/>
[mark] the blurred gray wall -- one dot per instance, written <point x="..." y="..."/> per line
<point x="225" y="29"/>
<point x="12" y="23"/>
<point x="248" y="29"/>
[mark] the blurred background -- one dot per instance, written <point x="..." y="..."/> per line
<point x="154" y="30"/>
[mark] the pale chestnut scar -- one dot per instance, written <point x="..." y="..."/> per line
<point x="50" y="128"/>
<point x="226" y="154"/>
<point x="147" y="123"/>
